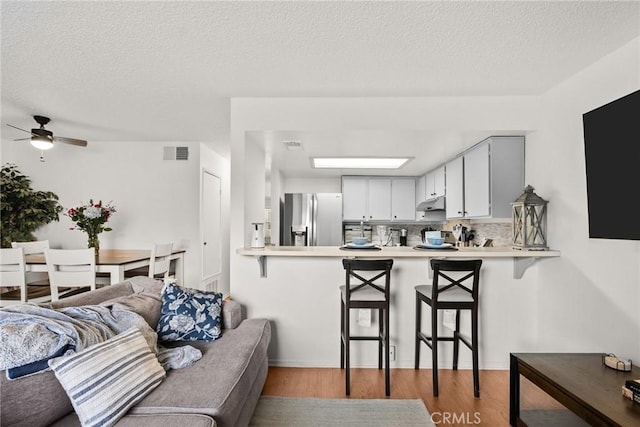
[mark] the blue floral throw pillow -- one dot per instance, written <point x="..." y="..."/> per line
<point x="189" y="314"/>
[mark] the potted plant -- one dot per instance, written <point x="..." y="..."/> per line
<point x="23" y="210"/>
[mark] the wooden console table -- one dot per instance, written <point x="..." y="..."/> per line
<point x="580" y="382"/>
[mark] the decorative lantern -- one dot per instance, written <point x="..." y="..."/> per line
<point x="529" y="213"/>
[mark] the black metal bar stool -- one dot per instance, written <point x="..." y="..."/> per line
<point x="366" y="293"/>
<point x="454" y="294"/>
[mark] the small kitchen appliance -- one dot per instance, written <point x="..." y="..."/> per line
<point x="403" y="237"/>
<point x="257" y="235"/>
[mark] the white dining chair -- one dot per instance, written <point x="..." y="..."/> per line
<point x="12" y="271"/>
<point x="159" y="263"/>
<point x="70" y="268"/>
<point x="34" y="248"/>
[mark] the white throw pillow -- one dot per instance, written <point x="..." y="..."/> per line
<point x="105" y="380"/>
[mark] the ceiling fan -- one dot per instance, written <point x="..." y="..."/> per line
<point x="43" y="139"/>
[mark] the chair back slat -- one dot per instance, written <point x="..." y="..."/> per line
<point x="35" y="247"/>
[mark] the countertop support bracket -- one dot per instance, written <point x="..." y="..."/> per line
<point x="262" y="262"/>
<point x="521" y="264"/>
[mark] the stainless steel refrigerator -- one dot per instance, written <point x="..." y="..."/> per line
<point x="311" y="219"/>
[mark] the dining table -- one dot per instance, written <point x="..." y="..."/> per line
<point x="115" y="262"/>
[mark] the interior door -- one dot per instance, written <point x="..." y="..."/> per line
<point x="211" y="225"/>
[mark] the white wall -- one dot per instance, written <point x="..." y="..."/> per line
<point x="312" y="185"/>
<point x="156" y="200"/>
<point x="588" y="297"/>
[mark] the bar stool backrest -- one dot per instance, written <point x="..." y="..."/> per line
<point x="469" y="282"/>
<point x="353" y="269"/>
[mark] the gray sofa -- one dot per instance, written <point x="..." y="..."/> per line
<point x="221" y="389"/>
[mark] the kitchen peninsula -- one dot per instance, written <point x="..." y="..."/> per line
<point x="300" y="296"/>
<point x="522" y="259"/>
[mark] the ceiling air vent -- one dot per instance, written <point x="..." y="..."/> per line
<point x="293" y="145"/>
<point x="176" y="153"/>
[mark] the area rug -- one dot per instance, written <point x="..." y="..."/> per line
<point x="291" y="412"/>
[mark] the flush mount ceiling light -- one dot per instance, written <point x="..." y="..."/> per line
<point x="359" y="162"/>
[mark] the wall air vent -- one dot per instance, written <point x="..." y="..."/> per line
<point x="176" y="153"/>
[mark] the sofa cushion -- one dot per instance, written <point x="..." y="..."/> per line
<point x="220" y="383"/>
<point x="105" y="380"/>
<point x="32" y="401"/>
<point x="94" y="297"/>
<point x="146" y="305"/>
<point x="189" y="314"/>
<point x="187" y="420"/>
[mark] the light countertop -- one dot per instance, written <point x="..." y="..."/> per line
<point x="394" y="252"/>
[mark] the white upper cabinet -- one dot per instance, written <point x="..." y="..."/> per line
<point x="379" y="195"/>
<point x="354" y="198"/>
<point x="476" y="182"/>
<point x="366" y="198"/>
<point x="434" y="183"/>
<point x="420" y="196"/>
<point x="378" y="198"/>
<point x="455" y="188"/>
<point x="403" y="195"/>
<point x="482" y="182"/>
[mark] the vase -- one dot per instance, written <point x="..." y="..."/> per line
<point x="94" y="242"/>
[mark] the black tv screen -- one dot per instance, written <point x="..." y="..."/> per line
<point x="612" y="158"/>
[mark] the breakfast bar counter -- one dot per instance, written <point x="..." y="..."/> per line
<point x="300" y="295"/>
<point x="522" y="259"/>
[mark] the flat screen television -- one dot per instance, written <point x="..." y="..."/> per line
<point x="612" y="159"/>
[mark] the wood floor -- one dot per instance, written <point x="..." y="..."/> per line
<point x="455" y="405"/>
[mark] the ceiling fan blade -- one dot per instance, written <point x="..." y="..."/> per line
<point x="72" y="141"/>
<point x="23" y="130"/>
<point x="22" y="139"/>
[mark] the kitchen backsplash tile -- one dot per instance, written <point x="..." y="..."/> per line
<point x="499" y="232"/>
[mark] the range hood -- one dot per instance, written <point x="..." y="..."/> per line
<point x="436" y="204"/>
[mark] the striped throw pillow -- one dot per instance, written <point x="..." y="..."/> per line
<point x="105" y="380"/>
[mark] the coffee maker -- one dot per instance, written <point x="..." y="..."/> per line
<point x="257" y="235"/>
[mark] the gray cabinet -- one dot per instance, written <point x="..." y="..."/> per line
<point x="483" y="181"/>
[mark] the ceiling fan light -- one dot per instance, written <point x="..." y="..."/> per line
<point x="41" y="142"/>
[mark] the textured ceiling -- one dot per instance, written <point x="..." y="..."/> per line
<point x="164" y="71"/>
